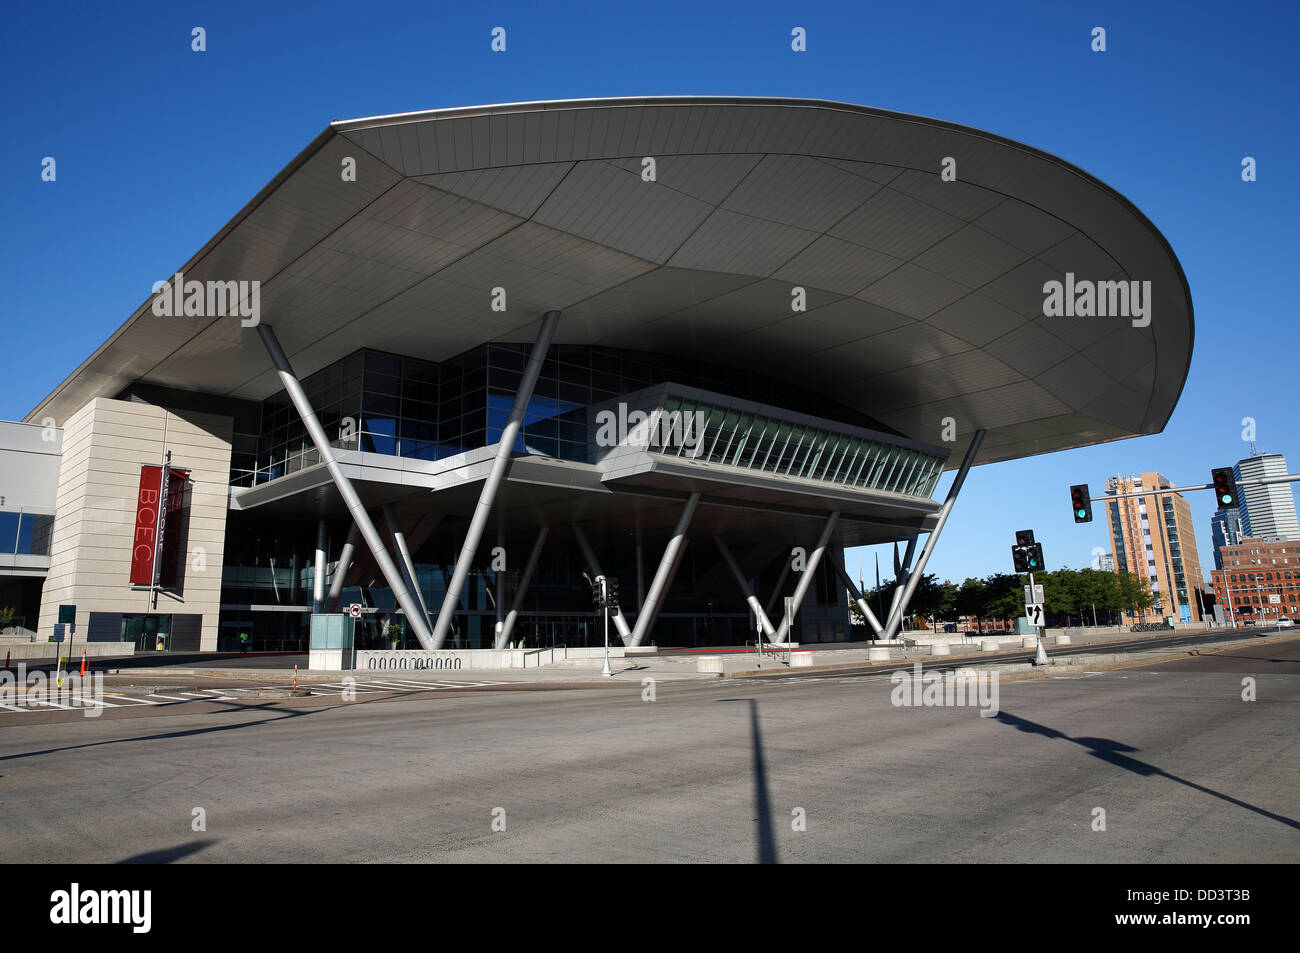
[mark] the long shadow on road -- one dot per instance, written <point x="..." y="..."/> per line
<point x="1114" y="752"/>
<point x="285" y="713"/>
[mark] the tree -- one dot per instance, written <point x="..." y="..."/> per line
<point x="1005" y="597"/>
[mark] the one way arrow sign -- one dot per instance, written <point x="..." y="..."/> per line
<point x="1034" y="613"/>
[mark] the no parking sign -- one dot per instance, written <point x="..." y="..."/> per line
<point x="354" y="610"/>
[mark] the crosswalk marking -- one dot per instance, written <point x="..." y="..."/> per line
<point x="83" y="701"/>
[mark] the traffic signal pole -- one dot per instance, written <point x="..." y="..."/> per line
<point x="896" y="615"/>
<point x="1257" y="481"/>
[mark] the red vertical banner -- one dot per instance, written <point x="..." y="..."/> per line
<point x="145" y="539"/>
<point x="174" y="520"/>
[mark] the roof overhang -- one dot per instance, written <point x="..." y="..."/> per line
<point x="924" y="297"/>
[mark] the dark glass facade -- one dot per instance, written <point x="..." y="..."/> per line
<point x="384" y="403"/>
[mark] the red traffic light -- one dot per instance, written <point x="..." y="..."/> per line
<point x="1081" y="503"/>
<point x="1225" y="487"/>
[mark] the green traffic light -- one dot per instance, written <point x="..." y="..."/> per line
<point x="1225" y="498"/>
<point x="1080" y="513"/>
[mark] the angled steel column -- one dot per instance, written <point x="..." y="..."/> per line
<point x="640" y="570"/>
<point x="353" y="502"/>
<point x="896" y="615"/>
<point x="905" y="573"/>
<point x="407" y="565"/>
<point x="664" y="574"/>
<point x="765" y="626"/>
<point x="341" y="569"/>
<point x="517" y="603"/>
<point x="318" y="577"/>
<point x="840" y="571"/>
<point x="805" y="577"/>
<point x="620" y="621"/>
<point x="500" y="464"/>
<point x="500" y="585"/>
<point x="780" y="581"/>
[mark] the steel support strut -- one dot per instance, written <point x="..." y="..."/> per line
<point x="904" y="573"/>
<point x="849" y="584"/>
<point x="780" y="581"/>
<point x="500" y="463"/>
<point x="896" y="615"/>
<point x="318" y="576"/>
<point x="407" y="565"/>
<point x="517" y="603"/>
<point x="764" y="624"/>
<point x="664" y="574"/>
<point x="806" y="577"/>
<point x="353" y="502"/>
<point x="341" y="569"/>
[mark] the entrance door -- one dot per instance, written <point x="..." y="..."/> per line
<point x="148" y="632"/>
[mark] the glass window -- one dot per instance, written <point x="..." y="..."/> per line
<point x="9" y="532"/>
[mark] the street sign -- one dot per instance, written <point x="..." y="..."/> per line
<point x="1035" y="596"/>
<point x="789" y="612"/>
<point x="1274" y="599"/>
<point x="58" y="632"/>
<point x="67" y="613"/>
<point x="1034" y="613"/>
<point x="354" y="610"/>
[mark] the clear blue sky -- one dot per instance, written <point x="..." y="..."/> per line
<point x="157" y="147"/>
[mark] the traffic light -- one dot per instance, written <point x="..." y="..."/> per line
<point x="611" y="590"/>
<point x="598" y="592"/>
<point x="1225" y="487"/>
<point x="1027" y="557"/>
<point x="1024" y="537"/>
<point x="1081" y="502"/>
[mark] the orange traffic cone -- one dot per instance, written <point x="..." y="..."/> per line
<point x="83" y="663"/>
<point x="295" y="676"/>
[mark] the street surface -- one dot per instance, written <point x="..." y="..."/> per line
<point x="1184" y="769"/>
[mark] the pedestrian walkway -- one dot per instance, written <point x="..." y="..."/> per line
<point x="80" y="701"/>
<point x="391" y="686"/>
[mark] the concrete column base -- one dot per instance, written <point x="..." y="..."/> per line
<point x="940" y="648"/>
<point x="878" y="655"/>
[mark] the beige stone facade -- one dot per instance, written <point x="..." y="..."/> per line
<point x="104" y="445"/>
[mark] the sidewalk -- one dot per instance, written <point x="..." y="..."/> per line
<point x="671" y="667"/>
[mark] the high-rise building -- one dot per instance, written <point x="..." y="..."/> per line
<point x="1153" y="538"/>
<point x="1267" y="512"/>
<point x="1225" y="530"/>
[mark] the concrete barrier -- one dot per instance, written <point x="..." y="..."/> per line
<point x="1028" y="641"/>
<point x="1062" y="640"/>
<point x="936" y="648"/>
<point x="990" y="645"/>
<point x="711" y="664"/>
<point x="801" y="659"/>
<point x="877" y="655"/>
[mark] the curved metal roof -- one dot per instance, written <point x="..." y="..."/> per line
<point x="924" y="297"/>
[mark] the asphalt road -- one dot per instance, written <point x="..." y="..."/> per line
<point x="1183" y="767"/>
